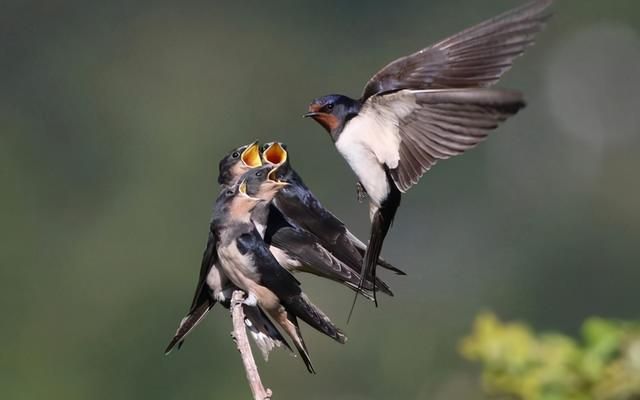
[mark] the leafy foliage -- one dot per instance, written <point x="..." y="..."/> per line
<point x="603" y="364"/>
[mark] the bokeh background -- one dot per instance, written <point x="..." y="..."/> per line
<point x="113" y="116"/>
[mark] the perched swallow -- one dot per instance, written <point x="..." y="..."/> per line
<point x="245" y="259"/>
<point x="213" y="286"/>
<point x="300" y="218"/>
<point x="425" y="107"/>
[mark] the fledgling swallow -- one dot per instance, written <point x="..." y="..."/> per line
<point x="428" y="106"/>
<point x="237" y="162"/>
<point x="294" y="248"/>
<point x="304" y="232"/>
<point x="213" y="286"/>
<point x="245" y="259"/>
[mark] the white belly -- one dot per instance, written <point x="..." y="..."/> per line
<point x="369" y="142"/>
<point x="366" y="166"/>
<point x="218" y="282"/>
<point x="237" y="267"/>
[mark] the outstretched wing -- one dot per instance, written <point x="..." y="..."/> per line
<point x="424" y="126"/>
<point x="475" y="57"/>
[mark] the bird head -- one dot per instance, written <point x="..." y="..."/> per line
<point x="261" y="183"/>
<point x="333" y="111"/>
<point x="238" y="162"/>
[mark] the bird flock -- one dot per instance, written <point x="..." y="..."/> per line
<point x="267" y="225"/>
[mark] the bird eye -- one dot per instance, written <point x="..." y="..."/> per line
<point x="329" y="106"/>
<point x="259" y="173"/>
<point x="235" y="154"/>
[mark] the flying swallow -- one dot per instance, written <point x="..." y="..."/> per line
<point x="299" y="211"/>
<point x="245" y="259"/>
<point x="213" y="286"/>
<point x="428" y="106"/>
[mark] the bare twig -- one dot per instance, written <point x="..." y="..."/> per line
<point x="239" y="335"/>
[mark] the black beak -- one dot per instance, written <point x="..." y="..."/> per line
<point x="310" y="115"/>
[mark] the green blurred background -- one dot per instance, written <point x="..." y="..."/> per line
<point x="113" y="116"/>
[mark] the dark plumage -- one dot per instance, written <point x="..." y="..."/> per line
<point x="212" y="285"/>
<point x="245" y="259"/>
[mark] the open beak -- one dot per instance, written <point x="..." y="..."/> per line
<point x="251" y="156"/>
<point x="243" y="191"/>
<point x="275" y="154"/>
<point x="273" y="177"/>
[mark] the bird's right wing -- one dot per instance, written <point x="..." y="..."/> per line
<point x="421" y="127"/>
<point x="285" y="286"/>
<point x="475" y="57"/>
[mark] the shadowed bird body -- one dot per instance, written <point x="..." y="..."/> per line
<point x="213" y="286"/>
<point x="426" y="107"/>
<point x="245" y="259"/>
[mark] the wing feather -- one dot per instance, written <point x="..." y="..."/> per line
<point x="438" y="125"/>
<point x="475" y="57"/>
<point x="446" y="123"/>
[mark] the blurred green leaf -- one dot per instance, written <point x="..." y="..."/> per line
<point x="516" y="361"/>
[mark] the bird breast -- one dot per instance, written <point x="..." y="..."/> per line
<point x="367" y="147"/>
<point x="371" y="140"/>
<point x="238" y="267"/>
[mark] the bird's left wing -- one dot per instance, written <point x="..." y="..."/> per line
<point x="209" y="257"/>
<point x="272" y="275"/>
<point x="287" y="288"/>
<point x="202" y="300"/>
<point x="475" y="57"/>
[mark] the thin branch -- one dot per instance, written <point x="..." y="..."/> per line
<point x="239" y="335"/>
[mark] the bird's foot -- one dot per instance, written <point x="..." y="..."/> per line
<point x="251" y="300"/>
<point x="224" y="296"/>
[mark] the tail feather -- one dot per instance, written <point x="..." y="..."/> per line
<point x="289" y="324"/>
<point x="264" y="333"/>
<point x="312" y="315"/>
<point x="380" y="224"/>
<point x="367" y="289"/>
<point x="298" y="341"/>
<point x="387" y="265"/>
<point x="189" y="322"/>
<point x="362" y="248"/>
